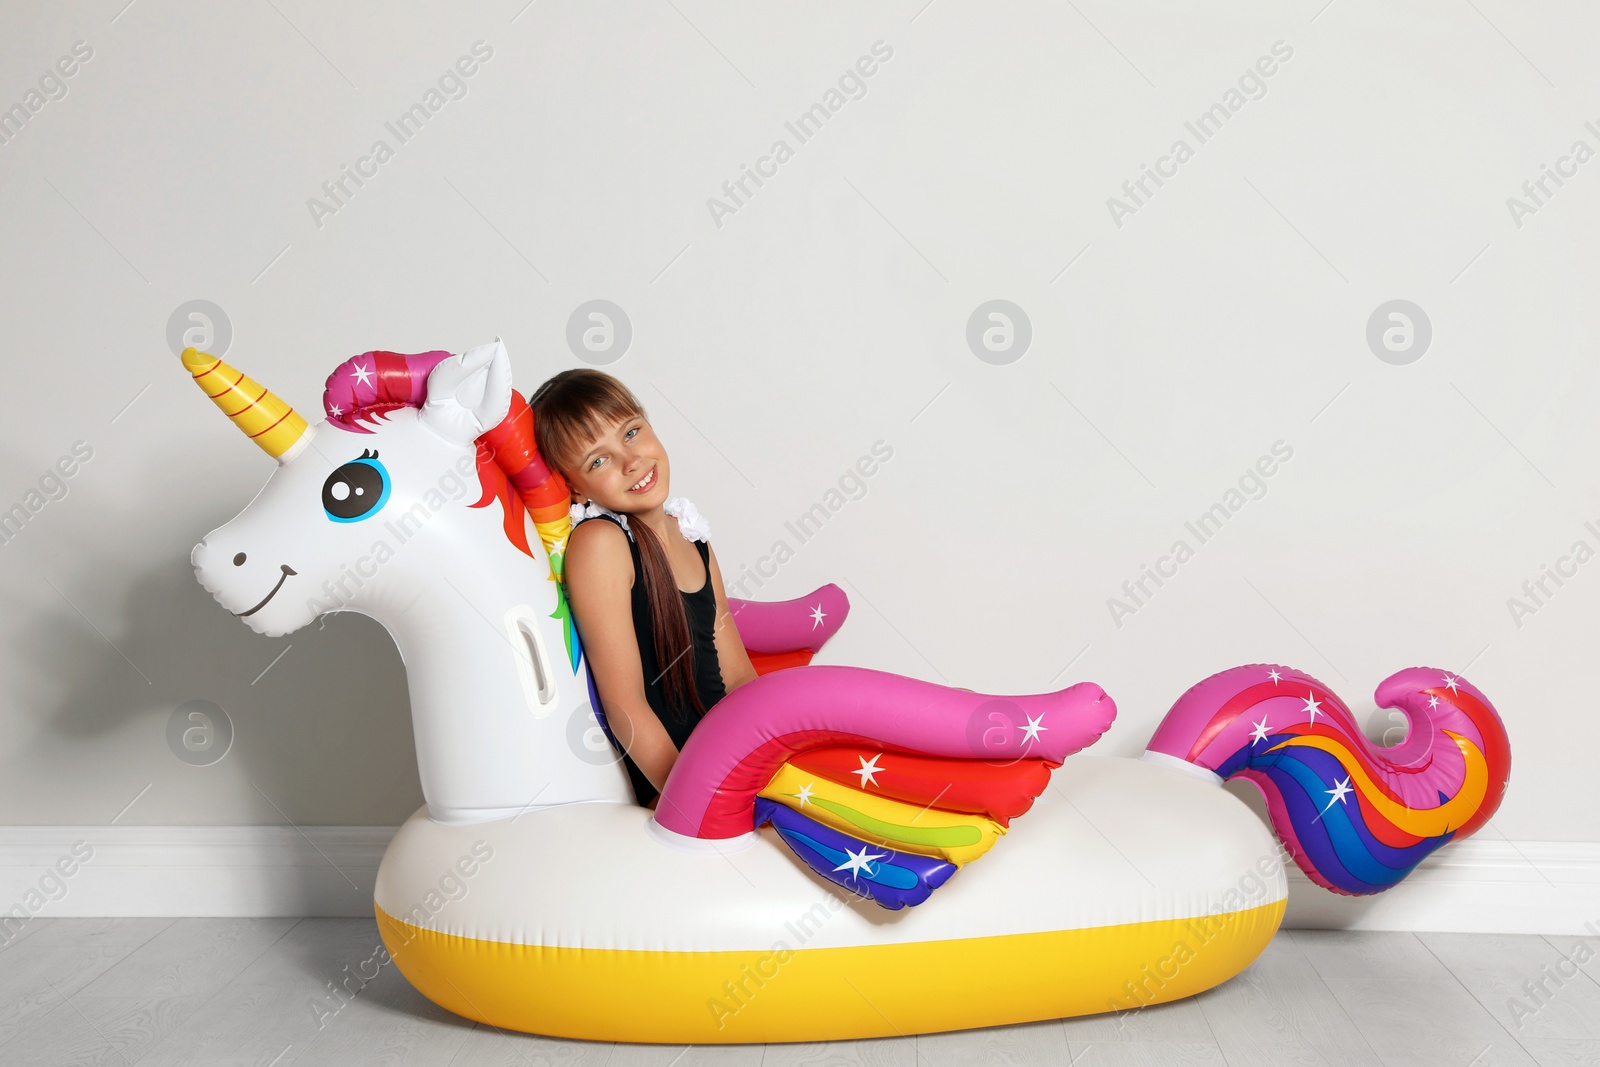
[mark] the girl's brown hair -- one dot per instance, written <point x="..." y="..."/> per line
<point x="570" y="410"/>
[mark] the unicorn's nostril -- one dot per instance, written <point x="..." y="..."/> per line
<point x="238" y="560"/>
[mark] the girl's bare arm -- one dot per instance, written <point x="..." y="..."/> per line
<point x="731" y="655"/>
<point x="598" y="564"/>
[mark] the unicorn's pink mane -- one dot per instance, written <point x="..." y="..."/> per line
<point x="366" y="387"/>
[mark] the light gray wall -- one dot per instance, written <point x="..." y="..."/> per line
<point x="1171" y="346"/>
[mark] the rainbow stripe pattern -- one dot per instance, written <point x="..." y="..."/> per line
<point x="884" y="824"/>
<point x="882" y="784"/>
<point x="1357" y="818"/>
<point x="888" y="876"/>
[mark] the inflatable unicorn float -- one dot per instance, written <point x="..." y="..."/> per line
<point x="530" y="892"/>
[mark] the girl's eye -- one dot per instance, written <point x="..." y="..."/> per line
<point x="625" y="437"/>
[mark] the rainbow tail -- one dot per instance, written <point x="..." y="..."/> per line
<point x="1357" y="818"/>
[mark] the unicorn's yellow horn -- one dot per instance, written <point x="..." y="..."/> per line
<point x="264" y="417"/>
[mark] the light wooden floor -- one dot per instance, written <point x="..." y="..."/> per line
<point x="217" y="992"/>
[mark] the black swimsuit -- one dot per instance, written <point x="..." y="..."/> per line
<point x="701" y="606"/>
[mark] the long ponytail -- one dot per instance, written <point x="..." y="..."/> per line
<point x="669" y="621"/>
<point x="571" y="408"/>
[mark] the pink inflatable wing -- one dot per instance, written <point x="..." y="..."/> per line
<point x="787" y="633"/>
<point x="881" y="783"/>
<point x="1356" y="817"/>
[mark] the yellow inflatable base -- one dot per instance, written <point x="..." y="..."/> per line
<point x="821" y="994"/>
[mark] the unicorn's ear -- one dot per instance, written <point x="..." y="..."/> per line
<point x="469" y="394"/>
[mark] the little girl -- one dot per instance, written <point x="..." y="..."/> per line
<point x="644" y="586"/>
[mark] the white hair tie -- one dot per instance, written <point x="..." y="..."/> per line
<point x="691" y="524"/>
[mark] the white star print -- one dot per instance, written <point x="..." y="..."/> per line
<point x="1450" y="683"/>
<point x="1339" y="791"/>
<point x="869" y="768"/>
<point x="558" y="548"/>
<point x="363" y="375"/>
<point x="335" y="410"/>
<point x="1312" y="708"/>
<point x="1274" y="675"/>
<point x="1260" y="733"/>
<point x="1032" y="730"/>
<point x="817" y="615"/>
<point x="804" y="796"/>
<point x="859" y="861"/>
<point x="1433" y="702"/>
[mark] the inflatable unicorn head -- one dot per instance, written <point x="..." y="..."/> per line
<point x="411" y="502"/>
<point x="374" y="477"/>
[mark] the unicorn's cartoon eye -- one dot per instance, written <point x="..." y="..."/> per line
<point x="357" y="489"/>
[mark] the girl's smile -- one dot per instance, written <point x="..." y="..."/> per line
<point x="645" y="484"/>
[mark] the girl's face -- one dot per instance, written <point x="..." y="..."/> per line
<point x="625" y="469"/>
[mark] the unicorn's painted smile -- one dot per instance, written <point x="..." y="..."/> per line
<point x="285" y="570"/>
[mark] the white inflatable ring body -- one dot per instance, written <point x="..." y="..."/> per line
<point x="1128" y="883"/>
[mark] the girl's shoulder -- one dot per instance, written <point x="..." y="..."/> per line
<point x="596" y="544"/>
<point x="596" y="555"/>
<point x="580" y="513"/>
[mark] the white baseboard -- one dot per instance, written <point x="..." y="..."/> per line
<point x="1481" y="885"/>
<point x="1473" y="886"/>
<point x="235" y="871"/>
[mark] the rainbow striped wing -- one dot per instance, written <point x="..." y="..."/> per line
<point x="884" y="785"/>
<point x="892" y="826"/>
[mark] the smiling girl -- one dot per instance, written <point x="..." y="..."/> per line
<point x="643" y="584"/>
